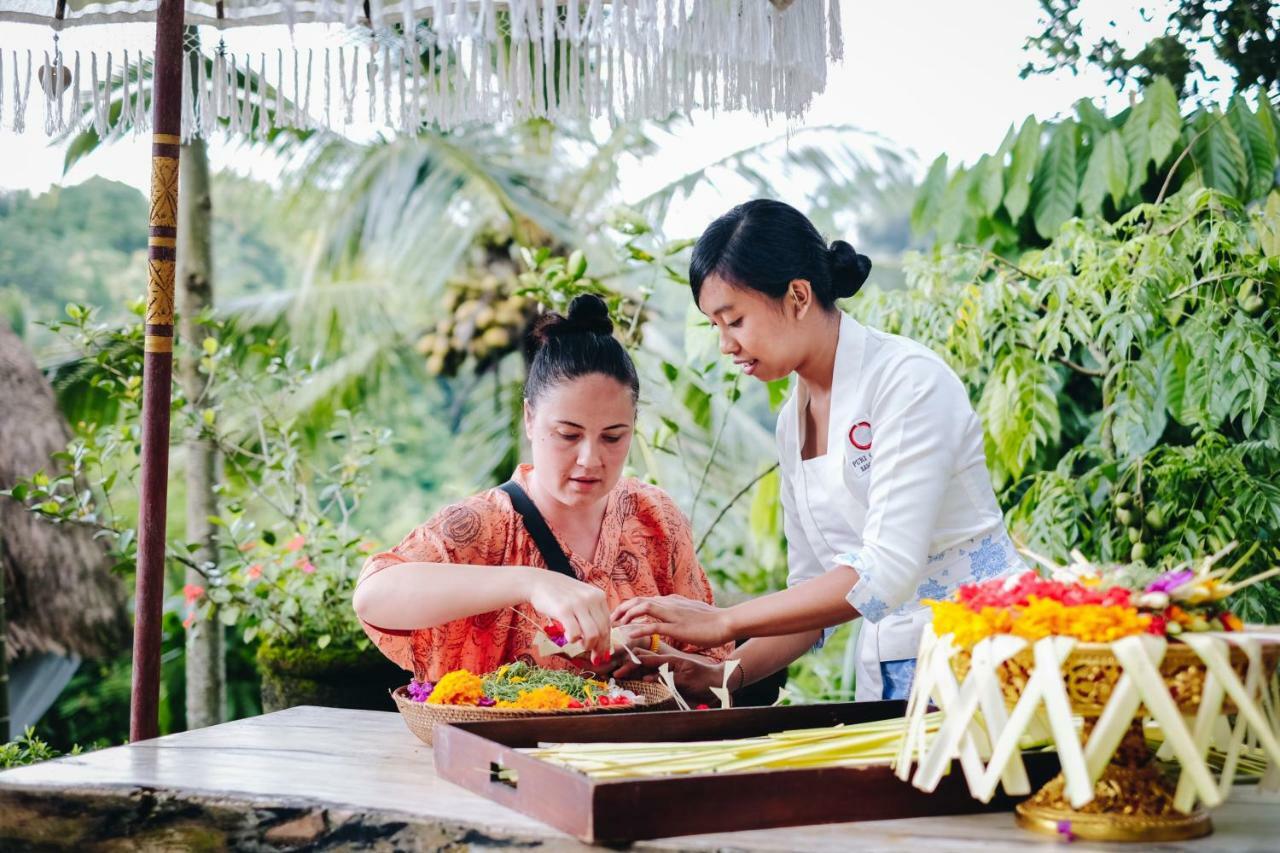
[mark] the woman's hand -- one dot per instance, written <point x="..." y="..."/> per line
<point x="581" y="609"/>
<point x="682" y="619"/>
<point x="621" y="664"/>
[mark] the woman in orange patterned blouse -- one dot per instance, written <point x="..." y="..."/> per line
<point x="469" y="588"/>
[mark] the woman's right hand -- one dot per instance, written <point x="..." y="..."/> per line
<point x="580" y="608"/>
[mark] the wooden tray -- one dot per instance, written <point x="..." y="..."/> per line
<point x="472" y="754"/>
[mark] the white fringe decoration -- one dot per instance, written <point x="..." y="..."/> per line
<point x="456" y="61"/>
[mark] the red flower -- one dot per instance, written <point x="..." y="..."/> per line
<point x="255" y="571"/>
<point x="295" y="543"/>
<point x="1158" y="626"/>
<point x="191" y="592"/>
<point x="305" y="565"/>
<point x="703" y="707"/>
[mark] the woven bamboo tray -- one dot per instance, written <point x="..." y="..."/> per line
<point x="422" y="718"/>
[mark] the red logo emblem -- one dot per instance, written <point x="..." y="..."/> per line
<point x="860" y="435"/>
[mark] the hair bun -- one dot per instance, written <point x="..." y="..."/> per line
<point x="849" y="270"/>
<point x="588" y="315"/>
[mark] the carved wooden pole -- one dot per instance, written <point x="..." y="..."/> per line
<point x="157" y="369"/>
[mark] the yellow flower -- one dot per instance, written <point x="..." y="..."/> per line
<point x="545" y="698"/>
<point x="1041" y="617"/>
<point x="459" y="687"/>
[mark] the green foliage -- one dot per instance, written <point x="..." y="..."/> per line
<point x="1128" y="376"/>
<point x="28" y="749"/>
<point x="1243" y="34"/>
<point x="1096" y="166"/>
<point x="289" y="549"/>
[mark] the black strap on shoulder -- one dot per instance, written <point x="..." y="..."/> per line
<point x="550" y="549"/>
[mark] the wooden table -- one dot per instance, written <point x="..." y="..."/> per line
<point x="332" y="779"/>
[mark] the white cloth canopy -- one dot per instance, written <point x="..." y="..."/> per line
<point x="442" y="62"/>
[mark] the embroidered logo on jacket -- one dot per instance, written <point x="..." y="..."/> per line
<point x="860" y="439"/>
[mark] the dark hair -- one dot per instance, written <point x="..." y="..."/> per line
<point x="764" y="245"/>
<point x="558" y="349"/>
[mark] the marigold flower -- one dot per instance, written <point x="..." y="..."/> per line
<point x="545" y="698"/>
<point x="459" y="687"/>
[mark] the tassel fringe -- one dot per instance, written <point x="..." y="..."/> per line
<point x="459" y="61"/>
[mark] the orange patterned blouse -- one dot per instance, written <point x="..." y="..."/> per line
<point x="645" y="548"/>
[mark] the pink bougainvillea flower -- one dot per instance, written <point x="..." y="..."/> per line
<point x="255" y="571"/>
<point x="295" y="543"/>
<point x="190" y="620"/>
<point x="305" y="565"/>
<point x="191" y="592"/>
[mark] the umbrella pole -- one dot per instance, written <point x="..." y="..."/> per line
<point x="157" y="370"/>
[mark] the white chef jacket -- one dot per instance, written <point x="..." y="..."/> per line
<point x="902" y="494"/>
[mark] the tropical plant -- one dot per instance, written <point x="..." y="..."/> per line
<point x="286" y="554"/>
<point x="1127" y="378"/>
<point x="28" y="749"/>
<point x="1094" y="165"/>
<point x="1243" y="34"/>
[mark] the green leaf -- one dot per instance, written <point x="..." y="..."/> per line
<point x="250" y="634"/>
<point x="698" y="402"/>
<point x="1026" y="150"/>
<point x="1138" y="408"/>
<point x="1136" y="134"/>
<point x="1259" y="151"/>
<point x="988" y="183"/>
<point x="229" y="615"/>
<point x="323" y="641"/>
<point x="778" y="390"/>
<point x="19" y="492"/>
<point x="1164" y="119"/>
<point x="1107" y="172"/>
<point x="1269" y="226"/>
<point x="1093" y="119"/>
<point x="1269" y="122"/>
<point x="1055" y="184"/>
<point x="82" y="145"/>
<point x="953" y="213"/>
<point x="925" y="210"/>
<point x="1217" y="154"/>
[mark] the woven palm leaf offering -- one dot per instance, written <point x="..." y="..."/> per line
<point x="522" y="689"/>
<point x="1121" y="649"/>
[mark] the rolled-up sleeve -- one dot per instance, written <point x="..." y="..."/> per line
<point x="918" y="417"/>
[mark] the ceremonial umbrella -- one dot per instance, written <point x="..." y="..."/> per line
<point x="417" y="62"/>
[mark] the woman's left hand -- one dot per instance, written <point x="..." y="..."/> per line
<point x="684" y="620"/>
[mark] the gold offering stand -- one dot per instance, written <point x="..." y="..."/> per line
<point x="1133" y="800"/>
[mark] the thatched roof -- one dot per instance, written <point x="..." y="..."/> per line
<point x="61" y="596"/>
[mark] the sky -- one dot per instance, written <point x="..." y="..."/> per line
<point x="929" y="76"/>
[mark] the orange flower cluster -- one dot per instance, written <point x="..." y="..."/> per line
<point x="545" y="698"/>
<point x="459" y="687"/>
<point x="1039" y="617"/>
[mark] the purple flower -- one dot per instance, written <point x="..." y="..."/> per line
<point x="419" y="690"/>
<point x="1169" y="581"/>
<point x="560" y="641"/>
<point x="1064" y="829"/>
<point x="486" y="702"/>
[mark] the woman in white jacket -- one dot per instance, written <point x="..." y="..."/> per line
<point x="885" y="489"/>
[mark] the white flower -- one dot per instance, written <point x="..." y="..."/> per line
<point x="1154" y="600"/>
